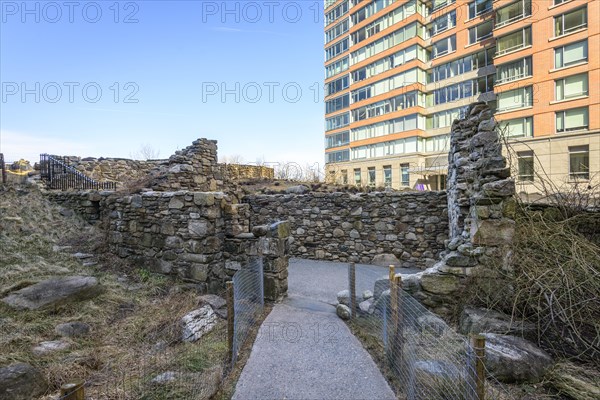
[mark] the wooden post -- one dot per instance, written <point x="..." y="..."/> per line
<point x="72" y="391"/>
<point x="391" y="317"/>
<point x="395" y="333"/>
<point x="393" y="299"/>
<point x="230" y="318"/>
<point x="478" y="344"/>
<point x="352" y="279"/>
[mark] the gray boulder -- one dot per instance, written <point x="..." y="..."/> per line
<point x="437" y="369"/>
<point x="476" y="320"/>
<point x="72" y="329"/>
<point x="382" y="284"/>
<point x="343" y="297"/>
<point x="299" y="189"/>
<point x="198" y="323"/>
<point x="385" y="260"/>
<point x="367" y="294"/>
<point x="429" y="323"/>
<point x="54" y="292"/>
<point x="217" y="303"/>
<point x="213" y="300"/>
<point x="513" y="359"/>
<point x="380" y="303"/>
<point x="365" y="306"/>
<point x="165" y="377"/>
<point x="343" y="311"/>
<point x="21" y="382"/>
<point x="50" y="347"/>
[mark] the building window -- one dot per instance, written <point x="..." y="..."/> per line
<point x="525" y="165"/>
<point x="437" y="4"/>
<point x="579" y="162"/>
<point x="337" y="104"/>
<point x="574" y="119"/>
<point x="338" y="121"/>
<point x="479" y="7"/>
<point x="337" y="30"/>
<point x="513" y="12"/>
<point x="337" y="156"/>
<point x="336" y="67"/>
<point x="337" y="85"/>
<point x="336" y="13"/>
<point x="443" y="23"/>
<point x="344" y="176"/>
<point x="397" y="103"/>
<point x="357" y="178"/>
<point x="387" y="176"/>
<point x="519" y="127"/>
<point x="570" y="54"/>
<point x="557" y="2"/>
<point x="443" y="119"/>
<point x="370" y="9"/>
<point x="405" y="175"/>
<point x="371" y="171"/>
<point x="462" y="65"/>
<point x="443" y="47"/>
<point x="570" y="22"/>
<point x="336" y="49"/>
<point x="571" y="86"/>
<point x="339" y="139"/>
<point x="516" y="98"/>
<point x="480" y="32"/>
<point x="514" y="41"/>
<point x="514" y="70"/>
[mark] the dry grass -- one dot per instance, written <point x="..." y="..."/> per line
<point x="135" y="321"/>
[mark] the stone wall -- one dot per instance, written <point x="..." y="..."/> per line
<point x="89" y="204"/>
<point x="193" y="168"/>
<point x="120" y="170"/>
<point x="236" y="172"/>
<point x="357" y="227"/>
<point x="480" y="209"/>
<point x="201" y="237"/>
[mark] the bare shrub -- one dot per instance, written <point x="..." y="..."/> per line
<point x="556" y="268"/>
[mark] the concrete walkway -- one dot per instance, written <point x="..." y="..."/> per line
<point x="304" y="351"/>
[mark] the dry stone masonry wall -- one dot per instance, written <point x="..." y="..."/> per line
<point x="193" y="168"/>
<point x="113" y="169"/>
<point x="357" y="227"/>
<point x="480" y="208"/>
<point x="174" y="173"/>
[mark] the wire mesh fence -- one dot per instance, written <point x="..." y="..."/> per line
<point x="422" y="357"/>
<point x="164" y="366"/>
<point x="248" y="302"/>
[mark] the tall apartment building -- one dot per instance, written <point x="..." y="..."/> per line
<point x="397" y="73"/>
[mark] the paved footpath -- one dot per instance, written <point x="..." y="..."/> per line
<point x="304" y="351"/>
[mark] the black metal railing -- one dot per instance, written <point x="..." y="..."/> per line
<point x="58" y="174"/>
<point x="2" y="169"/>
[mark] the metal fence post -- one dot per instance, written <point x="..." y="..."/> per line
<point x="230" y="318"/>
<point x="352" y="280"/>
<point x="478" y="344"/>
<point x="3" y="168"/>
<point x="261" y="282"/>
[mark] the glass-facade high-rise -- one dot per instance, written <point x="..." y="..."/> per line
<point x="397" y="73"/>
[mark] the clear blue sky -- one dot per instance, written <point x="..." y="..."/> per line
<point x="174" y="58"/>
